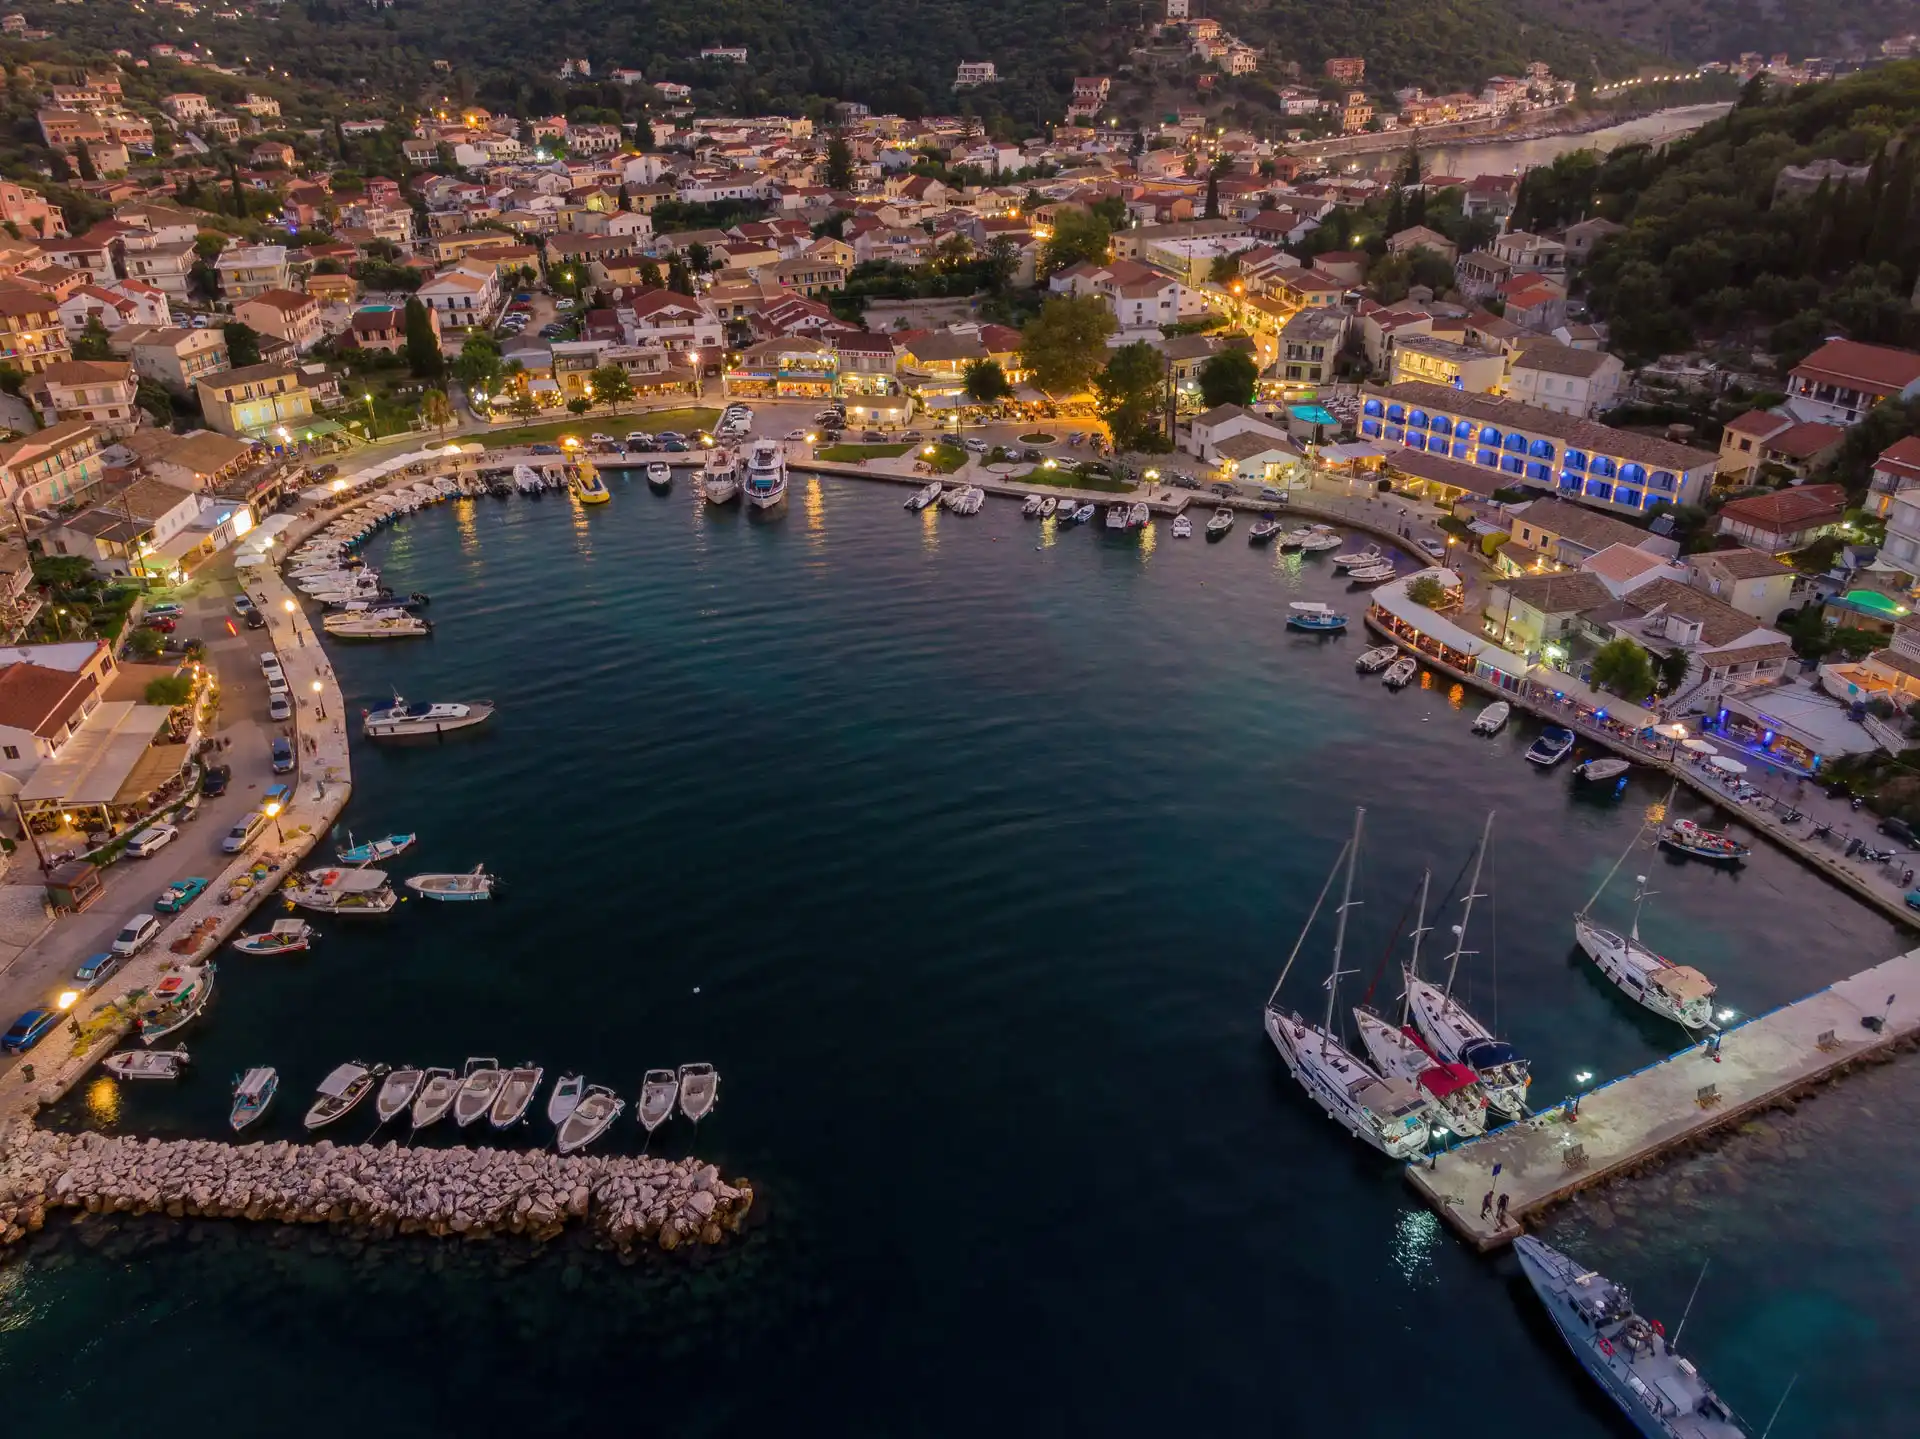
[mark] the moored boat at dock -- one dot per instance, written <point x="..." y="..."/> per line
<point x="1262" y="530"/>
<point x="476" y="883"/>
<point x="341" y="891"/>
<point x="517" y="1090"/>
<point x="1674" y="991"/>
<point x="1220" y="523"/>
<point x="588" y="484"/>
<point x="1031" y="508"/>
<point x="251" y="1096"/>
<point x="597" y="1109"/>
<point x="699" y="1090"/>
<point x="1493" y="718"/>
<point x="398" y="1092"/>
<point x="1117" y="516"/>
<point x="720" y="477"/>
<point x="1376" y="659"/>
<point x="478" y="1088"/>
<point x="148" y="1063"/>
<point x="658" y="1092"/>
<point x="1553" y="745"/>
<point x="766" y="482"/>
<point x="387" y="624"/>
<point x="1599" y="771"/>
<point x="375" y="851"/>
<point x="401" y="720"/>
<point x="1400" y="673"/>
<point x="1182" y="527"/>
<point x="921" y="498"/>
<point x="566" y="1095"/>
<point x="175" y="1002"/>
<point x="287" y="936"/>
<point x="1359" y="559"/>
<point x="437" y="1093"/>
<point x="1683" y="836"/>
<point x="341" y="1091"/>
<point x="660" y="476"/>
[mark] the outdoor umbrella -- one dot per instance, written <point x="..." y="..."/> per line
<point x="1727" y="766"/>
<point x="1698" y="746"/>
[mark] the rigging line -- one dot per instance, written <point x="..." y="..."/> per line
<point x="1493" y="930"/>
<point x="1387" y="953"/>
<point x="1309" y="924"/>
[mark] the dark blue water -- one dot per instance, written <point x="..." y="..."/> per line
<point x="968" y="853"/>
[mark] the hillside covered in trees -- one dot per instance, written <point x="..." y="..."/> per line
<point x="1698" y="30"/>
<point x="1716" y="247"/>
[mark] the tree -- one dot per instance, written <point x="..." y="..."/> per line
<point x="243" y="344"/>
<point x="1673" y="669"/>
<point x="423" y="346"/>
<point x="1229" y="378"/>
<point x="478" y="365"/>
<point x="1066" y="343"/>
<point x="678" y="279"/>
<point x="986" y="382"/>
<point x="154" y="399"/>
<point x="1621" y="667"/>
<point x="522" y="405"/>
<point x="699" y="258"/>
<point x="1132" y="395"/>
<point x="611" y="386"/>
<point x="83" y="161"/>
<point x="145" y="644"/>
<point x="839" y="164"/>
<point x="435" y="411"/>
<point x="94" y="342"/>
<point x="1078" y="235"/>
<point x="169" y="690"/>
<point x="650" y="277"/>
<point x="579" y="404"/>
<point x="1427" y="591"/>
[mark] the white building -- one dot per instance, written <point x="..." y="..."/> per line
<point x="974" y="72"/>
<point x="1565" y="380"/>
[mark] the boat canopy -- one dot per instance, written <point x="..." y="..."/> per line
<point x="1683" y="982"/>
<point x="348" y="880"/>
<point x="336" y="1084"/>
<point x="1486" y="1053"/>
<point x="253" y="1081"/>
<point x="1440" y="1080"/>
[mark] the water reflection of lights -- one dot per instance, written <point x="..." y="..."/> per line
<point x="1149" y="539"/>
<point x="930" y="528"/>
<point x="463" y="519"/>
<point x="1049" y="532"/>
<point x="1457" y="696"/>
<point x="1426" y="679"/>
<point x="816" y="506"/>
<point x="1415" y="1238"/>
<point x="103" y="1101"/>
<point x="1656" y="812"/>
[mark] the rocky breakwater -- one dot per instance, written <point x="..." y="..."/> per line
<point x="383" y="1188"/>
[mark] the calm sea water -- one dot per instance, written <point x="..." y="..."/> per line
<point x="968" y="852"/>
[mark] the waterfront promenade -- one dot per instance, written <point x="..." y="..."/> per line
<point x="1637" y="1118"/>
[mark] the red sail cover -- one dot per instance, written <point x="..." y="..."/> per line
<point x="1443" y="1079"/>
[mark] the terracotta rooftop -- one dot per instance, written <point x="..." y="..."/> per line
<point x="1793" y="508"/>
<point x="1877" y="369"/>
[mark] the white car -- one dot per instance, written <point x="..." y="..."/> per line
<point x="270" y="664"/>
<point x="1434" y="548"/>
<point x="279" y="707"/>
<point x="151" y="839"/>
<point x="137" y="935"/>
<point x="244" y="832"/>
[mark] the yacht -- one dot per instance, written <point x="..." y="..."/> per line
<point x="1376" y="659"/>
<point x="920" y="499"/>
<point x="251" y="1096"/>
<point x="1221" y="522"/>
<point x="1388" y="1114"/>
<point x="377" y="625"/>
<point x="1663" y="1395"/>
<point x="401" y="720"/>
<point x="1674" y="991"/>
<point x="1182" y="528"/>
<point x="1553" y="746"/>
<point x="660" y="476"/>
<point x="766" y="483"/>
<point x="720" y="478"/>
<point x="1493" y="718"/>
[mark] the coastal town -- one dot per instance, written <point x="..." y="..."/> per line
<point x="1547" y="441"/>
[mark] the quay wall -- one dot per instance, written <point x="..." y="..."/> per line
<point x="388" y="1188"/>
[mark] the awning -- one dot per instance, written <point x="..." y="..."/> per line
<point x="1341" y="454"/>
<point x="1605" y="706"/>
<point x="94" y="764"/>
<point x="1392" y="598"/>
<point x="1727" y="765"/>
<point x="1698" y="746"/>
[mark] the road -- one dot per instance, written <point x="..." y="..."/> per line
<point x="42" y="970"/>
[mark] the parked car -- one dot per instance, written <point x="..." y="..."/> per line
<point x="96" y="969"/>
<point x="1268" y="492"/>
<point x="546" y="449"/>
<point x="640" y="440"/>
<point x="1221" y="487"/>
<point x="1434" y="548"/>
<point x="243" y="604"/>
<point x="270" y="665"/>
<point x="213" y="783"/>
<point x="282" y="754"/>
<point x="244" y="832"/>
<point x="181" y="893"/>
<point x="796" y="434"/>
<point x="279" y="707"/>
<point x="563" y="304"/>
<point x="256" y="620"/>
<point x="975" y="444"/>
<point x="138" y="934"/>
<point x="166" y="624"/>
<point x="1900" y="831"/>
<point x="675" y="447"/>
<point x="670" y="435"/>
<point x="872" y="437"/>
<point x="1030" y="456"/>
<point x="29" y="1029"/>
<point x="598" y="439"/>
<point x="166" y="607"/>
<point x="151" y="840"/>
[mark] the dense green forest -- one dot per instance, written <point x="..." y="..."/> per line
<point x="1720" y="29"/>
<point x="1709" y="250"/>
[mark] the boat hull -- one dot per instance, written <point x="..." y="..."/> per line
<point x="1295" y="1038"/>
<point x="1628" y="965"/>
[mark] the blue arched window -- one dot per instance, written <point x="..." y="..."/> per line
<point x="1569" y="481"/>
<point x="1541" y="449"/>
<point x="1517" y="443"/>
<point x="1599" y="489"/>
<point x="1514" y="465"/>
<point x="1576" y="459"/>
<point x="1489" y="458"/>
<point x="1538" y="471"/>
<point x="1632" y="474"/>
<point x="1627" y="497"/>
<point x="1440" y="424"/>
<point x="1461" y="449"/>
<point x="1396" y="412"/>
<point x="1373" y="407"/>
<point x="1394" y="432"/>
<point x="1417" y="439"/>
<point x="1663" y="480"/>
<point x="1490" y="436"/>
<point x="1601" y="466"/>
<point x="1463" y="430"/>
<point x="1417" y="417"/>
<point x="1370" y="428"/>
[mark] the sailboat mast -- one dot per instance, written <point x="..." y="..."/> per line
<point x="1665" y="809"/>
<point x="1419" y="932"/>
<point x="1340" y="930"/>
<point x="1466" y="905"/>
<point x="1307" y="928"/>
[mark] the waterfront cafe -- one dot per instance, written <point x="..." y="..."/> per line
<point x="1438" y="638"/>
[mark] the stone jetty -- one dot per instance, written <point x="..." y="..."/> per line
<point x="384" y="1188"/>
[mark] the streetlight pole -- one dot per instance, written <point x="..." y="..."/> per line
<point x="273" y="813"/>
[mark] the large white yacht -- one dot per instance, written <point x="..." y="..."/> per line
<point x="766" y="482"/>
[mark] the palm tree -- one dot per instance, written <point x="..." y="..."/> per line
<point x="435" y="410"/>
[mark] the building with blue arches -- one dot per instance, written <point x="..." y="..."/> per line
<point x="1582" y="460"/>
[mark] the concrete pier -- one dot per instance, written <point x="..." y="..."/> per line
<point x="1671" y="1103"/>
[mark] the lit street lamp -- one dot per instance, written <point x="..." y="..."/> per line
<point x="273" y="813"/>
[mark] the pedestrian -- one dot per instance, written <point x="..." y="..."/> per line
<point x="1500" y="1217"/>
<point x="1486" y="1204"/>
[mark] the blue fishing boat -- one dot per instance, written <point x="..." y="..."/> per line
<point x="376" y="850"/>
<point x="1554" y="745"/>
<point x="1315" y="618"/>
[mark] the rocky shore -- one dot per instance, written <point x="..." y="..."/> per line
<point x="384" y="1188"/>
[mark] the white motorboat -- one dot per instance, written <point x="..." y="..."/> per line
<point x="1400" y="673"/>
<point x="1320" y="541"/>
<point x="1376" y="659"/>
<point x="1493" y="718"/>
<point x="148" y="1064"/>
<point x="1294" y="539"/>
<point x="720" y="477"/>
<point x="967" y="501"/>
<point x="455" y="888"/>
<point x="478" y="1089"/>
<point x="1138" y="515"/>
<point x="660" y="475"/>
<point x="401" y="720"/>
<point x="565" y="1096"/>
<point x="1598" y="771"/>
<point x="1049" y="507"/>
<point x="436" y="1097"/>
<point x="699" y="1090"/>
<point x="527" y="480"/>
<point x="380" y="625"/>
<point x="1182" y="527"/>
<point x="287" y="936"/>
<point x="342" y="890"/>
<point x="1116" y="517"/>
<point x="658" y="1092"/>
<point x="597" y="1109"/>
<point x="1083" y="513"/>
<point x="1031" y="509"/>
<point x="1388" y="1114"/>
<point x="1358" y="559"/>
<point x="1221" y="522"/>
<point x="516" y="1093"/>
<point x="1451" y="1032"/>
<point x="1372" y="575"/>
<point x="251" y="1096"/>
<point x="929" y="495"/>
<point x="766" y="482"/>
<point x="341" y="1091"/>
<point x="1553" y="745"/>
<point x="399" y="1091"/>
<point x="175" y="1002"/>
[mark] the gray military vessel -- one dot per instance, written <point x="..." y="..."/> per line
<point x="1663" y="1394"/>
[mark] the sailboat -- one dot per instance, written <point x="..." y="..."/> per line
<point x="1674" y="991"/>
<point x="1455" y="1100"/>
<point x="1455" y="1035"/>
<point x="1388" y="1114"/>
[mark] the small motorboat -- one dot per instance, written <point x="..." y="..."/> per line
<point x="1084" y="513"/>
<point x="1493" y="718"/>
<point x="658" y="1091"/>
<point x="1376" y="659"/>
<point x="1358" y="559"/>
<point x="435" y="1098"/>
<point x="1117" y="516"/>
<point x="516" y="1093"/>
<point x="1264" y="529"/>
<point x="597" y="1109"/>
<point x="565" y="1097"/>
<point x="1683" y="836"/>
<point x="590" y="487"/>
<point x="1295" y="539"/>
<point x="340" y="1091"/>
<point x="475" y="884"/>
<point x="1031" y="509"/>
<point x="1400" y="673"/>
<point x="1373" y="574"/>
<point x="921" y="499"/>
<point x="1600" y="770"/>
<point x="1182" y="528"/>
<point x="1221" y="522"/>
<point x="251" y="1096"/>
<point x="1314" y="618"/>
<point x="1319" y="540"/>
<point x="1138" y="515"/>
<point x="1048" y="507"/>
<point x="477" y="1090"/>
<point x="288" y="936"/>
<point x="398" y="1093"/>
<point x="1554" y="745"/>
<point x="699" y="1090"/>
<point x="148" y="1064"/>
<point x="175" y="1002"/>
<point x="660" y="475"/>
<point x="375" y="850"/>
